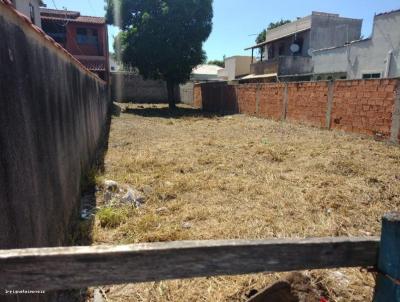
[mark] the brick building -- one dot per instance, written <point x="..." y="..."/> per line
<point x="85" y="37"/>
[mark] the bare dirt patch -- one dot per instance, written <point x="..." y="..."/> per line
<point x="226" y="177"/>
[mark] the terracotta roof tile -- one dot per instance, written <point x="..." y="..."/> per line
<point x="70" y="16"/>
<point x="94" y="64"/>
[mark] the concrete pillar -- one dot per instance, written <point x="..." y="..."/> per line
<point x="331" y="85"/>
<point x="395" y="130"/>
<point x="258" y="99"/>
<point x="285" y="101"/>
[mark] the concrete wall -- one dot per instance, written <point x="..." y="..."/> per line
<point x="237" y="66"/>
<point x="186" y="93"/>
<point x="131" y="87"/>
<point x="366" y="56"/>
<point x="332" y="30"/>
<point x="368" y="107"/>
<point x="23" y="7"/>
<point x="52" y="114"/>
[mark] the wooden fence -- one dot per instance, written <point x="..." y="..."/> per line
<point x="82" y="266"/>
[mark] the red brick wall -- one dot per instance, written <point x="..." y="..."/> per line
<point x="271" y="101"/>
<point x="197" y="97"/>
<point x="364" y="106"/>
<point x="246" y="98"/>
<point x="360" y="106"/>
<point x="307" y="102"/>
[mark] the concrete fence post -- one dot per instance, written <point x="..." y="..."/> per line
<point x="258" y="99"/>
<point x="395" y="129"/>
<point x="388" y="281"/>
<point x="285" y="102"/>
<point x="331" y="85"/>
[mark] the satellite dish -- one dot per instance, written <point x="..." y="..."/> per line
<point x="294" y="48"/>
<point x="310" y="52"/>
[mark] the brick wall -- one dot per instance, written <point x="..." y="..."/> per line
<point x="369" y="107"/>
<point x="246" y="98"/>
<point x="364" y="106"/>
<point x="307" y="102"/>
<point x="271" y="101"/>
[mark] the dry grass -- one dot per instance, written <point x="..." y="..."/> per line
<point x="243" y="177"/>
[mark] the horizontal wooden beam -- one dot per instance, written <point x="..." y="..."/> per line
<point x="78" y="267"/>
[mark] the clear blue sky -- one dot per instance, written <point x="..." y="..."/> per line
<point x="236" y="21"/>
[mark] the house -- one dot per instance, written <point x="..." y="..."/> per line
<point x="205" y="72"/>
<point x="85" y="37"/>
<point x="30" y="8"/>
<point x="288" y="48"/>
<point x="235" y="67"/>
<point x="375" y="57"/>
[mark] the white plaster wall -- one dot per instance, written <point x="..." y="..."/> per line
<point x="367" y="56"/>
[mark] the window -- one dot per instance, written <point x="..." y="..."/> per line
<point x="271" y="52"/>
<point x="86" y="36"/>
<point x="375" y="75"/>
<point x="32" y="13"/>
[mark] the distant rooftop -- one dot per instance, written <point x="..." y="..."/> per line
<point x="70" y="16"/>
<point x="288" y="29"/>
<point x="206" y="69"/>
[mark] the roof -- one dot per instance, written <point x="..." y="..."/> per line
<point x="70" y="16"/>
<point x="206" y="69"/>
<point x="341" y="46"/>
<point x="93" y="63"/>
<point x="8" y="5"/>
<point x="259" y="76"/>
<point x="389" y="12"/>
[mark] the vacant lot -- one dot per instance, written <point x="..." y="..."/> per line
<point x="225" y="177"/>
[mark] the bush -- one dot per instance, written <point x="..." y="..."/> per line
<point x="110" y="218"/>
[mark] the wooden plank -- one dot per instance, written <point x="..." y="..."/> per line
<point x="77" y="267"/>
<point x="388" y="282"/>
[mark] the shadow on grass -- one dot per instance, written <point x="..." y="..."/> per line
<point x="165" y="112"/>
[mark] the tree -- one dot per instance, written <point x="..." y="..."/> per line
<point x="220" y="63"/>
<point x="281" y="22"/>
<point x="163" y="39"/>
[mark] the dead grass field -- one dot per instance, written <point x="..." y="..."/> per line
<point x="226" y="177"/>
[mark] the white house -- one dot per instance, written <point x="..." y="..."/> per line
<point x="205" y="72"/>
<point x="374" y="57"/>
<point x="30" y="8"/>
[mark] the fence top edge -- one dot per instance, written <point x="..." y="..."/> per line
<point x="174" y="245"/>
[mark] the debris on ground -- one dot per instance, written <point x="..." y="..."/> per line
<point x="111" y="185"/>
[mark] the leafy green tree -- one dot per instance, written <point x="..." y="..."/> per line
<point x="281" y="22"/>
<point x="220" y="63"/>
<point x="163" y="39"/>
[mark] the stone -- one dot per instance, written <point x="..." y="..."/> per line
<point x="111" y="185"/>
<point x="147" y="190"/>
<point x="162" y="210"/>
<point x="107" y="196"/>
<point x="186" y="225"/>
<point x="133" y="196"/>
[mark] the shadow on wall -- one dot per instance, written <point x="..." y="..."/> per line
<point x="220" y="98"/>
<point x="165" y="112"/>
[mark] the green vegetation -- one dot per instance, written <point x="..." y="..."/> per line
<point x="162" y="39"/>
<point x="111" y="217"/>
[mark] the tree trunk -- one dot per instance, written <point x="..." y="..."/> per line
<point x="171" y="97"/>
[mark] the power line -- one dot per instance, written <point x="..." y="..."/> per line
<point x="54" y="4"/>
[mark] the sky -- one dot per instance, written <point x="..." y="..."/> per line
<point x="236" y="23"/>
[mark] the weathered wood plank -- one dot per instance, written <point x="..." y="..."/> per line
<point x="76" y="267"/>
